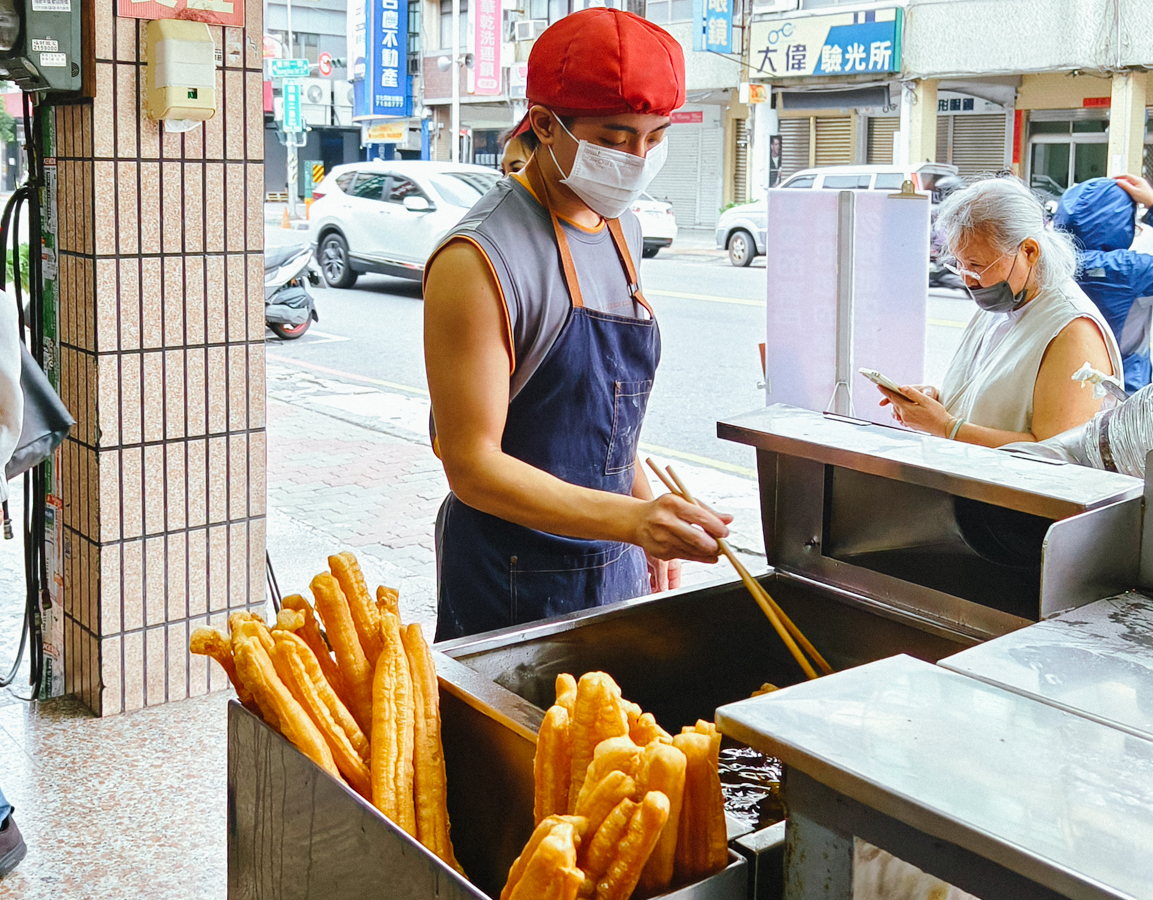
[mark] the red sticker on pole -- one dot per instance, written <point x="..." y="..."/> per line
<point x="324" y="64"/>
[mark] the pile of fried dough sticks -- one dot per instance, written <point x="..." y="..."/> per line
<point x="370" y="716"/>
<point x="621" y="805"/>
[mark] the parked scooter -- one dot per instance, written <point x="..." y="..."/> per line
<point x="288" y="306"/>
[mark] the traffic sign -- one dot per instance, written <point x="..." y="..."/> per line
<point x="289" y="68"/>
<point x="324" y="64"/>
<point x="292" y="118"/>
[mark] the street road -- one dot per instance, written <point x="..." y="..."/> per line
<point x="711" y="316"/>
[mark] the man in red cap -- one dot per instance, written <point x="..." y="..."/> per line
<point x="541" y="349"/>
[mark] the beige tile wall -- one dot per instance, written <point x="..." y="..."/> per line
<point x="162" y="359"/>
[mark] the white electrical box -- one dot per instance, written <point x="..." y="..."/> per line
<point x="181" y="75"/>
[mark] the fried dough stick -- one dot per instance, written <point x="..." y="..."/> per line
<point x="543" y="830"/>
<point x="552" y="765"/>
<point x="597" y="715"/>
<point x="701" y="836"/>
<point x="640" y="838"/>
<point x="210" y="642"/>
<point x="388" y="600"/>
<point x="310" y="633"/>
<point x="551" y="872"/>
<point x="255" y="668"/>
<point x="300" y="673"/>
<point x="365" y="615"/>
<point x="354" y="666"/>
<point x="430" y="787"/>
<point x="393" y="730"/>
<point x="662" y="769"/>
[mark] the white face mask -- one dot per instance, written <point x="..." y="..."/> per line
<point x="607" y="180"/>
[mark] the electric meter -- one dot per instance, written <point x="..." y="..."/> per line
<point x="40" y="44"/>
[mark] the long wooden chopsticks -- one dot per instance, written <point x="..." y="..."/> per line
<point x="782" y="624"/>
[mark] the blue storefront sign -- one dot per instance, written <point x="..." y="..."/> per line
<point x="384" y="90"/>
<point x="713" y="26"/>
<point x="850" y="43"/>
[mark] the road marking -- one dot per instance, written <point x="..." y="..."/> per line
<point x="701" y="460"/>
<point x="273" y="357"/>
<point x="947" y="323"/>
<point x="738" y="301"/>
<point x="325" y="337"/>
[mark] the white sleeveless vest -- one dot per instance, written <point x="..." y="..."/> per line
<point x="998" y="391"/>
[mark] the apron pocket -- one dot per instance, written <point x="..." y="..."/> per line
<point x="544" y="585"/>
<point x="630" y="400"/>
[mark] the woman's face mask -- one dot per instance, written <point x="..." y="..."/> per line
<point x="609" y="181"/>
<point x="995" y="298"/>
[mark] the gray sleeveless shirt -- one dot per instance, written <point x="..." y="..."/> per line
<point x="515" y="232"/>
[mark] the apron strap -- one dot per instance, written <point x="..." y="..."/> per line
<point x="627" y="261"/>
<point x="540" y="185"/>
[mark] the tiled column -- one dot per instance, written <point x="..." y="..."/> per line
<point x="162" y="361"/>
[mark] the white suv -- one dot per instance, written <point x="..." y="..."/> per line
<point x="388" y="217"/>
<point x="742" y="229"/>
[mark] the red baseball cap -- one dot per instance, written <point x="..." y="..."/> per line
<point x="603" y="62"/>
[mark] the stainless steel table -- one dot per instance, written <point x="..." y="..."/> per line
<point x="1004" y="796"/>
<point x="1096" y="661"/>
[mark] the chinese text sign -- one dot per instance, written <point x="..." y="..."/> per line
<point x="840" y="44"/>
<point x="385" y="89"/>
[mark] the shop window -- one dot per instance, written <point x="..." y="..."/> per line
<point x="1093" y="126"/>
<point x="1089" y="162"/>
<point x="665" y="12"/>
<point x="1048" y="128"/>
<point x="446" y="25"/>
<point x="1049" y="168"/>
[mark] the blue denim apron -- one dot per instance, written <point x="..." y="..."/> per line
<point x="578" y="418"/>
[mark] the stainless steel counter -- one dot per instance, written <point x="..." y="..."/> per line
<point x="1010" y="480"/>
<point x="992" y="791"/>
<point x="1096" y="661"/>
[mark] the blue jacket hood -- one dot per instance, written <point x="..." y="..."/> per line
<point x="1098" y="213"/>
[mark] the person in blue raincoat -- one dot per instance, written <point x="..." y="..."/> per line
<point x="1100" y="214"/>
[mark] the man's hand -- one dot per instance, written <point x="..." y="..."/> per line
<point x="672" y="528"/>
<point x="663" y="575"/>
<point x="1136" y="187"/>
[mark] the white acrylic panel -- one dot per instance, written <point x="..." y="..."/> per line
<point x="801" y="260"/>
<point x="891" y="256"/>
<point x="890" y="297"/>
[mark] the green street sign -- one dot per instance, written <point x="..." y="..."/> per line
<point x="289" y="68"/>
<point x="293" y="122"/>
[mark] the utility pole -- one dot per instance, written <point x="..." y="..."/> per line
<point x="291" y="162"/>
<point x="454" y="147"/>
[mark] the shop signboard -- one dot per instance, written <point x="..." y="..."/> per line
<point x="212" y="12"/>
<point x="385" y="132"/>
<point x="384" y="91"/>
<point x="486" y="48"/>
<point x="293" y="121"/>
<point x="355" y="27"/>
<point x="850" y="43"/>
<point x="288" y="68"/>
<point x="713" y="26"/>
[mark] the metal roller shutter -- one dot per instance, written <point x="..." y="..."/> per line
<point x="978" y="144"/>
<point x="740" y="161"/>
<point x="691" y="179"/>
<point x="943" y="138"/>
<point x="881" y="132"/>
<point x="835" y="141"/>
<point x="794" y="146"/>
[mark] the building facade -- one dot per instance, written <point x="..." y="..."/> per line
<point x="1053" y="90"/>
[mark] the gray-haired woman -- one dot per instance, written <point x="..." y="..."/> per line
<point x="1010" y="380"/>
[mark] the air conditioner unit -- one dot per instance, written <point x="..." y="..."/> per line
<point x="529" y="29"/>
<point x="342" y="102"/>
<point x="316" y="101"/>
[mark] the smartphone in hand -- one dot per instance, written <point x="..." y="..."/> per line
<point x="883" y="380"/>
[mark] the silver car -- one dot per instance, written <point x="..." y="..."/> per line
<point x="388" y="217"/>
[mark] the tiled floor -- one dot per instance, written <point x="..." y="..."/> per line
<point x="129" y="806"/>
